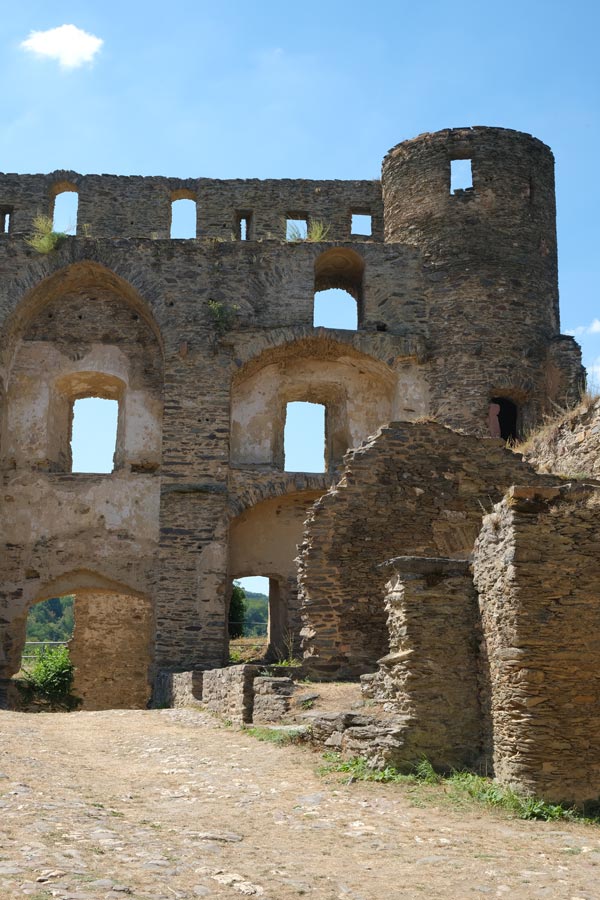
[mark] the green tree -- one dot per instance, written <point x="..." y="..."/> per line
<point x="51" y="620"/>
<point x="237" y="611"/>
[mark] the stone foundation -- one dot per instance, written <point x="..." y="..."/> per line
<point x="172" y="689"/>
<point x="272" y="697"/>
<point x="230" y="692"/>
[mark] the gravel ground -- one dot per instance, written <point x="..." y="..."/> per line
<point x="164" y="804"/>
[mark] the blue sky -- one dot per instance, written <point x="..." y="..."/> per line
<point x="315" y="90"/>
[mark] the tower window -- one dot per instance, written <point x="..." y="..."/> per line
<point x="5" y="219"/>
<point x="461" y="175"/>
<point x="244" y="226"/>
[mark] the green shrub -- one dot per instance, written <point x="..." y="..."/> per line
<point x="50" y="679"/>
<point x="44" y="239"/>
<point x="222" y="316"/>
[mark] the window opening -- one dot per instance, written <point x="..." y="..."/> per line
<point x="461" y="175"/>
<point x="183" y="219"/>
<point x="49" y="624"/>
<point x="296" y="229"/>
<point x="94" y="435"/>
<point x="64" y="216"/>
<point x="304" y="437"/>
<point x="503" y="417"/>
<point x="362" y="224"/>
<point x="5" y="223"/>
<point x="250" y="618"/>
<point x="258" y="621"/>
<point x="335" y="308"/>
<point x="244" y="225"/>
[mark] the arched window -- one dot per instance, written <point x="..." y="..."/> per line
<point x="183" y="217"/>
<point x="335" y="308"/>
<point x="338" y="273"/>
<point x="64" y="208"/>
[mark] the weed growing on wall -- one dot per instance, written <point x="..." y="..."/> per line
<point x="316" y="231"/>
<point x="222" y="316"/>
<point x="44" y="239"/>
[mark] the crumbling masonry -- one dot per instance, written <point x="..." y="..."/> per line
<point x="203" y="342"/>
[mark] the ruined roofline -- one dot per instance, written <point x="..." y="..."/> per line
<point x="470" y="133"/>
<point x="190" y="181"/>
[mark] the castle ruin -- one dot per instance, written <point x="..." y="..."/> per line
<point x="204" y="342"/>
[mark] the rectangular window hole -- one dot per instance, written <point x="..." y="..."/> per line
<point x="461" y="175"/>
<point x="5" y="219"/>
<point x="296" y="229"/>
<point x="362" y="224"/>
<point x="304" y="437"/>
<point x="94" y="434"/>
<point x="244" y="226"/>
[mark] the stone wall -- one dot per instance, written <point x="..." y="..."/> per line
<point x="427" y="683"/>
<point x="125" y="312"/>
<point x="418" y="488"/>
<point x="111" y="650"/>
<point x="272" y="698"/>
<point x="570" y="444"/>
<point x="175" y="689"/>
<point x="230" y="692"/>
<point x="119" y="206"/>
<point x="536" y="571"/>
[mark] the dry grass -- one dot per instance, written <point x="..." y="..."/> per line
<point x="247" y="649"/>
<point x="552" y="424"/>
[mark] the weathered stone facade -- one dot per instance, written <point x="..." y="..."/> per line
<point x="418" y="487"/>
<point x="457" y="304"/>
<point x="429" y="679"/>
<point x="491" y="659"/>
<point x="536" y="571"/>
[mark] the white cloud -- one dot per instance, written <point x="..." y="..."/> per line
<point x="580" y="330"/>
<point x="593" y="374"/>
<point x="71" y="46"/>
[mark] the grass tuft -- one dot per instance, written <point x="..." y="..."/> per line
<point x="275" y="735"/>
<point x="44" y="239"/>
<point x="458" y="787"/>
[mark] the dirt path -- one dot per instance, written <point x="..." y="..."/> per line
<point x="169" y="804"/>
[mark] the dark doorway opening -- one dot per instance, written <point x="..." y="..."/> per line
<point x="508" y="414"/>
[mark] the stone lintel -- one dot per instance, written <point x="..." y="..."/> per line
<point x="427" y="565"/>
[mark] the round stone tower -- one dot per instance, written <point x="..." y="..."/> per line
<point x="489" y="262"/>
